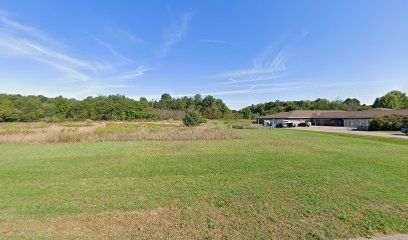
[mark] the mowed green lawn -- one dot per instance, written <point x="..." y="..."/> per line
<point x="270" y="184"/>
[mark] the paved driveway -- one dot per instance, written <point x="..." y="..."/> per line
<point x="387" y="237"/>
<point x="349" y="131"/>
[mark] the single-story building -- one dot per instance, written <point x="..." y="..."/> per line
<point x="350" y="119"/>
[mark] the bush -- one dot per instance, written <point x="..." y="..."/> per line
<point x="193" y="118"/>
<point x="389" y="122"/>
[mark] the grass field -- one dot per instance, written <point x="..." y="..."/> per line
<point x="266" y="184"/>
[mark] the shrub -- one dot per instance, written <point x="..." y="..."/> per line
<point x="193" y="118"/>
<point x="389" y="122"/>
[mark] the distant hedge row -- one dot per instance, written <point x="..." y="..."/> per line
<point x="389" y="122"/>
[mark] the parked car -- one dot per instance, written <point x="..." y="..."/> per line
<point x="304" y="124"/>
<point x="281" y="125"/>
<point x="291" y="124"/>
<point x="404" y="130"/>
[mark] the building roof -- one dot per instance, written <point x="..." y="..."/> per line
<point x="300" y="114"/>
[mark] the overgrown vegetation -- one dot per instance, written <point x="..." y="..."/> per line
<point x="392" y="122"/>
<point x="18" y="108"/>
<point x="76" y="132"/>
<point x="268" y="184"/>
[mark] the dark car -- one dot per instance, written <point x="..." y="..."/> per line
<point x="281" y="125"/>
<point x="304" y="124"/>
<point x="291" y="124"/>
<point x="404" y="130"/>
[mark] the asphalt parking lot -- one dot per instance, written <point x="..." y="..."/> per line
<point x="350" y="131"/>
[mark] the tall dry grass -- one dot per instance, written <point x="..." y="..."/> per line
<point x="100" y="132"/>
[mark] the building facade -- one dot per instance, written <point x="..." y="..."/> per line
<point x="352" y="119"/>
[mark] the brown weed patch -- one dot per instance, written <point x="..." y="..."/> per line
<point x="112" y="131"/>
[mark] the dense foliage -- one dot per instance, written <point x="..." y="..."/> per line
<point x="389" y="122"/>
<point x="350" y="104"/>
<point x="193" y="118"/>
<point x="393" y="99"/>
<point x="209" y="106"/>
<point x="113" y="107"/>
<point x="117" y="107"/>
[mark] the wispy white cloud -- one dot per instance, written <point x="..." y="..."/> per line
<point x="175" y="33"/>
<point x="27" y="42"/>
<point x="261" y="89"/>
<point x="269" y="65"/>
<point x="5" y="18"/>
<point x="140" y="71"/>
<point x="72" y="67"/>
<point x="267" y="77"/>
<point x="111" y="49"/>
<point x="290" y="87"/>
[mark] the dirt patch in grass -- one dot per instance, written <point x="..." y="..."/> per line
<point x="215" y="218"/>
<point x="248" y="127"/>
<point x="155" y="223"/>
<point x="386" y="237"/>
<point x="205" y="222"/>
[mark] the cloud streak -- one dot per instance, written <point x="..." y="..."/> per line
<point x="27" y="42"/>
<point x="140" y="71"/>
<point x="290" y="87"/>
<point x="110" y="49"/>
<point x="175" y="34"/>
<point x="30" y="43"/>
<point x="269" y="65"/>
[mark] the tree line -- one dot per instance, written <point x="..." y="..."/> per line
<point x="15" y="108"/>
<point x="393" y="100"/>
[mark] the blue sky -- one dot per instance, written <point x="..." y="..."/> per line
<point x="244" y="52"/>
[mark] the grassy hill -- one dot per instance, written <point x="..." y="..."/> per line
<point x="275" y="184"/>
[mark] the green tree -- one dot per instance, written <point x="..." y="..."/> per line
<point x="7" y="110"/>
<point x="247" y="114"/>
<point x="352" y="103"/>
<point x="210" y="108"/>
<point x="62" y="106"/>
<point x="193" y="118"/>
<point x="197" y="102"/>
<point x="143" y="103"/>
<point x="394" y="99"/>
<point x="322" y="104"/>
<point x="165" y="101"/>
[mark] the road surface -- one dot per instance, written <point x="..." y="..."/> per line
<point x="349" y="131"/>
